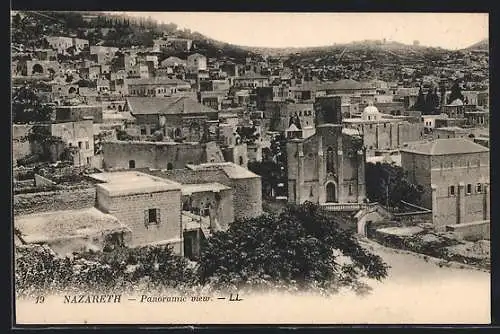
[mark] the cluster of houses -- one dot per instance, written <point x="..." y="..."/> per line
<point x="172" y="168"/>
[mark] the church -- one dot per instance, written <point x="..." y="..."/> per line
<point x="327" y="167"/>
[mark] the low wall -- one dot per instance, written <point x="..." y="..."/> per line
<point x="471" y="231"/>
<point x="413" y="218"/>
<point x="69" y="199"/>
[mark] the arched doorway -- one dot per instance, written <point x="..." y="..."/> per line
<point x="177" y="133"/>
<point x="369" y="229"/>
<point x="331" y="193"/>
<point x="37" y="68"/>
<point x="131" y="164"/>
<point x="241" y="161"/>
<point x="170" y="166"/>
<point x="72" y="90"/>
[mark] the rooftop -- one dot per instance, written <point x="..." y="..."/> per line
<point x="232" y="170"/>
<point x="444" y="147"/>
<point x="345" y="84"/>
<point x="451" y="128"/>
<point x="188" y="189"/>
<point x="157" y="81"/>
<point x="131" y="182"/>
<point x="381" y="120"/>
<point x="166" y="105"/>
<point x="67" y="224"/>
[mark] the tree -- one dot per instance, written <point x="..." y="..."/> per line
<point x="247" y="134"/>
<point x="270" y="174"/>
<point x="42" y="136"/>
<point x="456" y="93"/>
<point x="431" y="102"/>
<point x="296" y="249"/>
<point x="123" y="135"/>
<point x="420" y="103"/>
<point x="27" y="106"/>
<point x="389" y="184"/>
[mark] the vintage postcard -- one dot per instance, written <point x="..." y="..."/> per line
<point x="250" y="168"/>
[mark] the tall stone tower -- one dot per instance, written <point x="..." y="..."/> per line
<point x="328" y="110"/>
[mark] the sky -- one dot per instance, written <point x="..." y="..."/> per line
<point x="446" y="30"/>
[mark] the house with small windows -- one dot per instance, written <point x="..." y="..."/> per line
<point x="149" y="206"/>
<point x="251" y="80"/>
<point x="130" y="154"/>
<point x="455" y="175"/>
<point x="156" y="87"/>
<point x="178" y="117"/>
<point x="74" y="137"/>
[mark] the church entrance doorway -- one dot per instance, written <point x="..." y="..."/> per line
<point x="330" y="193"/>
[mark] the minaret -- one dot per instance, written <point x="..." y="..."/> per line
<point x="442" y="91"/>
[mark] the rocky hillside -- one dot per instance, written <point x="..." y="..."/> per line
<point x="481" y="45"/>
<point x="28" y="29"/>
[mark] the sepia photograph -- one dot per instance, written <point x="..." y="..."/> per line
<point x="190" y="168"/>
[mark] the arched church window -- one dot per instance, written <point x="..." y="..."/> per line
<point x="330" y="166"/>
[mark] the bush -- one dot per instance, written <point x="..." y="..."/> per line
<point x="38" y="269"/>
<point x="298" y="249"/>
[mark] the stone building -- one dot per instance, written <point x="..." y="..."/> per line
<point x="382" y="132"/>
<point x="455" y="175"/>
<point x="280" y="116"/>
<point x="147" y="205"/>
<point x="156" y="87"/>
<point x="73" y="138"/>
<point x="161" y="155"/>
<point x="61" y="43"/>
<point x="79" y="134"/>
<point x="196" y="62"/>
<point x="80" y="112"/>
<point x="327" y="167"/>
<point x="213" y="196"/>
<point x="251" y="80"/>
<point x="181" y="118"/>
<point x="247" y="187"/>
<point x="40" y="67"/>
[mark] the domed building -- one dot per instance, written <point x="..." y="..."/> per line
<point x="383" y="133"/>
<point x="371" y="113"/>
<point x="456" y="109"/>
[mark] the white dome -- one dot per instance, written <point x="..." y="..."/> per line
<point x="371" y="109"/>
<point x="371" y="113"/>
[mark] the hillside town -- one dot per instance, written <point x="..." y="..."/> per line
<point x="168" y="142"/>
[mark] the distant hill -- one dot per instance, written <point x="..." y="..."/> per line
<point x="481" y="45"/>
<point x="29" y="28"/>
<point x="357" y="45"/>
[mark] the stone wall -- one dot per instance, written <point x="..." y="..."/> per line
<point x="131" y="210"/>
<point x="159" y="155"/>
<point x="471" y="231"/>
<point x="54" y="200"/>
<point x="20" y="144"/>
<point x="247" y="199"/>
